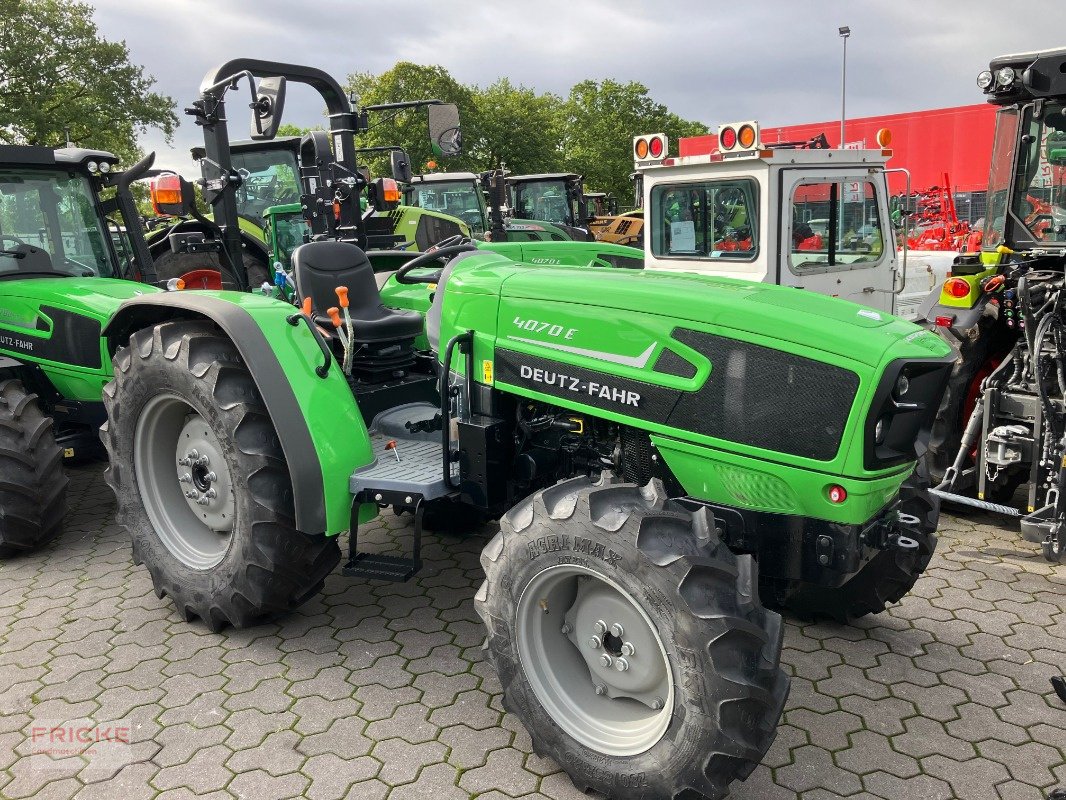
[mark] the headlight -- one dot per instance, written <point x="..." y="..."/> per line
<point x="1005" y="76"/>
<point x="92" y="166"/>
<point x="105" y="167"/>
<point x="984" y="80"/>
<point x="902" y="385"/>
<point x="879" y="432"/>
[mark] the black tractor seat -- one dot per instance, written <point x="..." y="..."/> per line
<point x="383" y="339"/>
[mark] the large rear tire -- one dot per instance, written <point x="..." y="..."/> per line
<point x="201" y="481"/>
<point x="33" y="487"/>
<point x="630" y="641"/>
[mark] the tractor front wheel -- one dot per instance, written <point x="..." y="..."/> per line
<point x="33" y="488"/>
<point x="630" y="641"/>
<point x="201" y="481"/>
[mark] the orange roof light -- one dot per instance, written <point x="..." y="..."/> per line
<point x="640" y="148"/>
<point x="746" y="136"/>
<point x="390" y="190"/>
<point x="884" y="137"/>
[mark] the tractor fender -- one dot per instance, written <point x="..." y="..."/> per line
<point x="317" y="420"/>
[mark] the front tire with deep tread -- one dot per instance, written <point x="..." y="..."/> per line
<point x="721" y="646"/>
<point x="269" y="567"/>
<point x="33" y="486"/>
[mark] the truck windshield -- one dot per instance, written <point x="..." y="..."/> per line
<point x="49" y="225"/>
<point x="460" y="199"/>
<point x="270" y="178"/>
<point x="1039" y="199"/>
<point x="543" y="200"/>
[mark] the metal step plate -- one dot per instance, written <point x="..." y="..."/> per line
<point x="418" y="470"/>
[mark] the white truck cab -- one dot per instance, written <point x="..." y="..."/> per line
<point x="813" y="218"/>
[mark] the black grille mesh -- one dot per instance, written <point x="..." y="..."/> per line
<point x="766" y="398"/>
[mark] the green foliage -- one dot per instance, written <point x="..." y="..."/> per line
<point x="59" y="75"/>
<point x="590" y="132"/>
<point x="599" y="123"/>
<point x="409" y="128"/>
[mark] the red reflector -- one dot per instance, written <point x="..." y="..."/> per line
<point x="837" y="494"/>
<point x="944" y="322"/>
<point x="668" y="162"/>
<point x="729" y="139"/>
<point x="957" y="287"/>
<point x="656" y="147"/>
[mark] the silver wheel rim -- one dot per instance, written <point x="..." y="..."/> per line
<point x="184" y="482"/>
<point x="594" y="660"/>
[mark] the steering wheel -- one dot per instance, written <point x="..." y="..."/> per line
<point x="441" y="251"/>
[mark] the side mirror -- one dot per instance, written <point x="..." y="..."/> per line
<point x="385" y="194"/>
<point x="172" y="195"/>
<point x="266" y="111"/>
<point x="444" y="134"/>
<point x="401" y="167"/>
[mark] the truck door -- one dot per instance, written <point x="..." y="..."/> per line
<point x="836" y="236"/>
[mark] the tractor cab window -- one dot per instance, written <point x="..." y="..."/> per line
<point x="462" y="200"/>
<point x="544" y="200"/>
<point x="49" y="225"/>
<point x="269" y="178"/>
<point x="835" y="223"/>
<point x="1003" y="149"/>
<point x="1040" y="191"/>
<point x="713" y="220"/>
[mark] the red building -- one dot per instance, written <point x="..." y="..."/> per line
<point x="956" y="141"/>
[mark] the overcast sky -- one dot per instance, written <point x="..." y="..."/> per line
<point x="777" y="61"/>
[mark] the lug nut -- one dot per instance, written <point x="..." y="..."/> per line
<point x="203" y="461"/>
<point x="565" y="630"/>
<point x="190" y="494"/>
<point x="203" y="501"/>
<point x="658" y="704"/>
<point x="601" y="627"/>
<point x="595" y="643"/>
<point x="193" y="454"/>
<point x="606" y="660"/>
<point x="185" y="462"/>
<point x="617" y="630"/>
<point x="210" y="477"/>
<point x="211" y="493"/>
<point x="601" y="689"/>
<point x="621" y="665"/>
<point x="186" y="478"/>
<point x="628" y="649"/>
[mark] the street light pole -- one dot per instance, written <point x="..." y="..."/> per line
<point x="844" y="32"/>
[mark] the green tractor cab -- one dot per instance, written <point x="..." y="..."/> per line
<point x="68" y="257"/>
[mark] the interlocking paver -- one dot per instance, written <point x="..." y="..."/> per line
<point x="381" y="690"/>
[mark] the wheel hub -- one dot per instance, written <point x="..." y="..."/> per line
<point x="202" y="472"/>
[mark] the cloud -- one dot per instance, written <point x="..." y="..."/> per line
<point x="775" y="61"/>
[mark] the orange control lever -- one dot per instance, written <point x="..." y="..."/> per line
<point x="307" y="307"/>
<point x="334" y="316"/>
<point x="342" y="295"/>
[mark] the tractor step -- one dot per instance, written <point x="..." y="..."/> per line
<point x="378" y="567"/>
<point x="381" y="568"/>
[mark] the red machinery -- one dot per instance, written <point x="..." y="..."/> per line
<point x="936" y="222"/>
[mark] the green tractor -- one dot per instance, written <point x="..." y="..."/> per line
<point x="556" y="198"/>
<point x="68" y="258"/>
<point x="667" y="456"/>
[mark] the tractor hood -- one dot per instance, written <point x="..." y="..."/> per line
<point x="89" y="297"/>
<point x="836" y="327"/>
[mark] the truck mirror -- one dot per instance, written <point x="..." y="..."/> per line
<point x="401" y="167"/>
<point x="172" y="195"/>
<point x="266" y="111"/>
<point x="444" y="134"/>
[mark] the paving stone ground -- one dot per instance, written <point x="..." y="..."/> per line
<point x="380" y="691"/>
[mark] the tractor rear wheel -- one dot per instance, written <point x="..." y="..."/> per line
<point x="201" y="481"/>
<point x="33" y="487"/>
<point x="630" y="641"/>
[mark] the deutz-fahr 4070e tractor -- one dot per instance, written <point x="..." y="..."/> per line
<point x="1003" y="424"/>
<point x="60" y="238"/>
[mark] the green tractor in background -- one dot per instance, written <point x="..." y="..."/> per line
<point x="68" y="257"/>
<point x="667" y="455"/>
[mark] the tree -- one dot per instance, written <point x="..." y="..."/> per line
<point x="599" y="123"/>
<point x="59" y="76"/>
<point x="409" y="128"/>
<point x="517" y="127"/>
